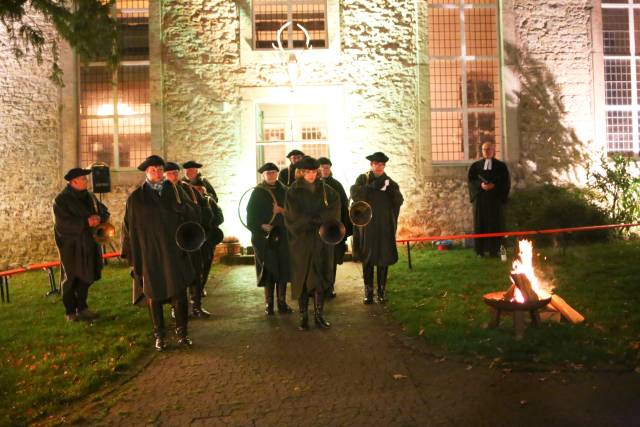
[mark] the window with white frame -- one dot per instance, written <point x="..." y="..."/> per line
<point x="270" y="15"/>
<point x="621" y="43"/>
<point x="114" y="122"/>
<point x="464" y="75"/>
<point x="282" y="128"/>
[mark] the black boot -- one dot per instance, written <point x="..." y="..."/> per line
<point x="196" y="303"/>
<point x="367" y="275"/>
<point x="281" y="290"/>
<point x="181" y="308"/>
<point x="382" y="283"/>
<point x="368" y="293"/>
<point x="304" y="311"/>
<point x="318" y="308"/>
<point x="268" y="299"/>
<point x="157" y="320"/>
<point x="183" y="338"/>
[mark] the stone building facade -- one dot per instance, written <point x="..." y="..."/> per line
<point x="210" y="90"/>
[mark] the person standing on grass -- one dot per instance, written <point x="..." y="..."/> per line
<point x="375" y="244"/>
<point x="76" y="212"/>
<point x="153" y="213"/>
<point x="489" y="185"/>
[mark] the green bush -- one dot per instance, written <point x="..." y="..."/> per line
<point x="549" y="206"/>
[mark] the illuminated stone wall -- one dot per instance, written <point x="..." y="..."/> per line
<point x="553" y="60"/>
<point x="374" y="65"/>
<point x="29" y="157"/>
<point x="210" y="77"/>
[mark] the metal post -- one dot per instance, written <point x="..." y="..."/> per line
<point x="52" y="283"/>
<point x="4" y="288"/>
<point x="409" y="255"/>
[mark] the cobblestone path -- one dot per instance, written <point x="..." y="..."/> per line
<point x="249" y="370"/>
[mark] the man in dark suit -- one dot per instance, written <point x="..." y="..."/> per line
<point x="154" y="211"/>
<point x="76" y="213"/>
<point x="489" y="186"/>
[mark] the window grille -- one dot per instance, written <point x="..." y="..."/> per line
<point x="270" y="15"/>
<point x="115" y="123"/>
<point x="275" y="138"/>
<point x="621" y="42"/>
<point x="464" y="73"/>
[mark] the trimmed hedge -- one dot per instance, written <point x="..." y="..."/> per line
<point x="549" y="206"/>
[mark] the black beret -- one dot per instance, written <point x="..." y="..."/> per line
<point x="76" y="172"/>
<point x="191" y="164"/>
<point x="152" y="160"/>
<point x="378" y="156"/>
<point x="324" y="161"/>
<point x="308" y="162"/>
<point x="170" y="166"/>
<point x="295" y="153"/>
<point x="268" y="167"/>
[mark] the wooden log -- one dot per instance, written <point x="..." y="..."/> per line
<point x="508" y="296"/>
<point x="523" y="283"/>
<point x="566" y="310"/>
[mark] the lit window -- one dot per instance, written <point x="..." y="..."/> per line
<point x="270" y="15"/>
<point x="621" y="36"/>
<point x="115" y="125"/>
<point x="464" y="73"/>
<point x="283" y="128"/>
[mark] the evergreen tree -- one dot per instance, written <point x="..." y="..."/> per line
<point x="87" y="25"/>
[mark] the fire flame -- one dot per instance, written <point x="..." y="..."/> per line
<point x="523" y="264"/>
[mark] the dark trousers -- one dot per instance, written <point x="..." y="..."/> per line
<point x="180" y="305"/>
<point x="367" y="274"/>
<point x="207" y="260"/>
<point x="489" y="244"/>
<point x="74" y="296"/>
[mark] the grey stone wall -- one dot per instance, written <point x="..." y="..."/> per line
<point x="29" y="157"/>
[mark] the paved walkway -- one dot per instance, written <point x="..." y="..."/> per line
<point x="249" y="370"/>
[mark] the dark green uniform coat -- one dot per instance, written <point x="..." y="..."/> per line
<point x="269" y="260"/>
<point x="80" y="255"/>
<point x="376" y="243"/>
<point x="311" y="258"/>
<point x="149" y="240"/>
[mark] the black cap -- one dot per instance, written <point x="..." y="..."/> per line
<point x="170" y="166"/>
<point x="324" y="161"/>
<point x="76" y="172"/>
<point x="268" y="167"/>
<point x="152" y="160"/>
<point x="191" y="164"/>
<point x="378" y="156"/>
<point x="294" y="153"/>
<point x="308" y="162"/>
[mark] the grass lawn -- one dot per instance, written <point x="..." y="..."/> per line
<point x="46" y="361"/>
<point x="440" y="299"/>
